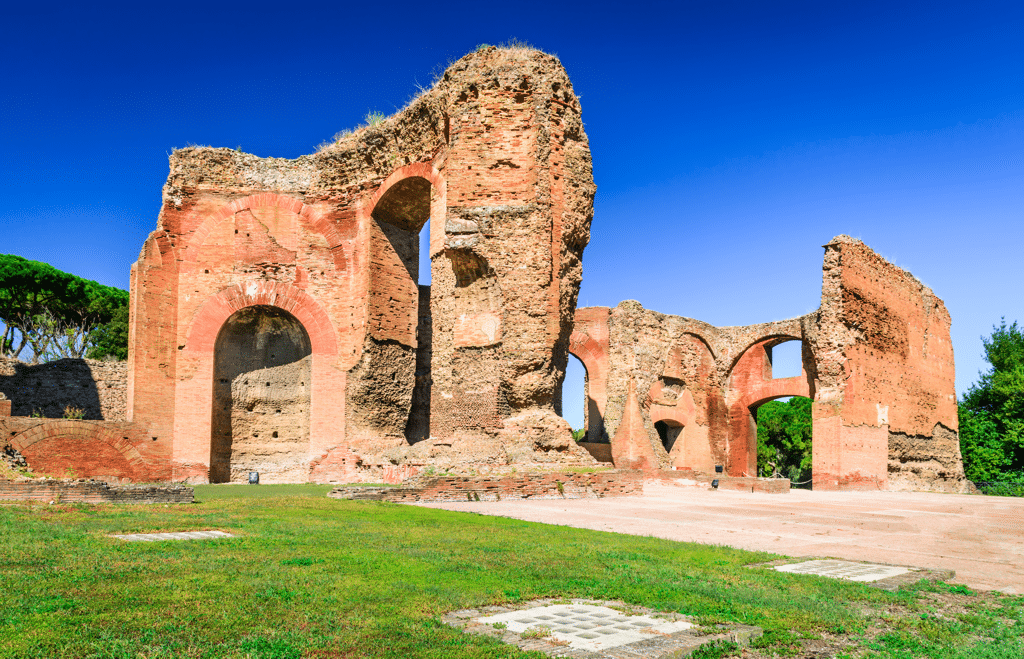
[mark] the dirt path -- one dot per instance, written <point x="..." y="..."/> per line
<point x="981" y="538"/>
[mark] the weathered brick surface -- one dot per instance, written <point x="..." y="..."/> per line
<point x="495" y="488"/>
<point x="98" y="388"/>
<point x="877" y="361"/>
<point x="84" y="491"/>
<point x="115" y="451"/>
<point x="464" y="372"/>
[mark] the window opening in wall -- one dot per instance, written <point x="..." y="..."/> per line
<point x="787" y="359"/>
<point x="784" y="437"/>
<point x="574" y="397"/>
<point x="668" y="432"/>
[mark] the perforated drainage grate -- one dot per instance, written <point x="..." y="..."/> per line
<point x="594" y="629"/>
<point x="587" y="627"/>
<point x="844" y="570"/>
<point x="183" y="535"/>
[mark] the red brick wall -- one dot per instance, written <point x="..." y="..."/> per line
<point x="104" y="450"/>
<point x="91" y="492"/>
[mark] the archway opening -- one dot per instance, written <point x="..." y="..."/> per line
<point x="574" y="398"/>
<point x="784" y="439"/>
<point x="261" y="397"/>
<point x="403" y="216"/>
<point x="668" y="432"/>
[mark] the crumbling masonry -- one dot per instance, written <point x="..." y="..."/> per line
<point x="278" y="323"/>
<point x="877" y="362"/>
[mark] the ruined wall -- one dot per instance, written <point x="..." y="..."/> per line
<point x="886" y="377"/>
<point x="114" y="451"/>
<point x="465" y="371"/>
<point x="877" y="361"/>
<point x="99" y="388"/>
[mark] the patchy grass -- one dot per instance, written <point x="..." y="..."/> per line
<point x="310" y="576"/>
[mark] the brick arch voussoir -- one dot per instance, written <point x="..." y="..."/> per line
<point x="81" y="429"/>
<point x="415" y="170"/>
<point x="312" y="217"/>
<point x="206" y="324"/>
<point x="760" y="341"/>
<point x="705" y="341"/>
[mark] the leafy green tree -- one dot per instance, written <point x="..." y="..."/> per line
<point x="50" y="312"/>
<point x="111" y="340"/>
<point x="784" y="438"/>
<point x="992" y="411"/>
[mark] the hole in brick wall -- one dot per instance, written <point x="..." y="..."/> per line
<point x="668" y="433"/>
<point x="787" y="359"/>
<point x="274" y="434"/>
<point x="783" y="441"/>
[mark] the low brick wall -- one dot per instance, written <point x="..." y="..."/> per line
<point x="82" y="491"/>
<point x="497" y="488"/>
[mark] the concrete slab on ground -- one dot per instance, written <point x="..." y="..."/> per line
<point x="180" y="535"/>
<point x="980" y="538"/>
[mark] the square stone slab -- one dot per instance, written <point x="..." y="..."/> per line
<point x="183" y="535"/>
<point x="585" y="626"/>
<point x="844" y="570"/>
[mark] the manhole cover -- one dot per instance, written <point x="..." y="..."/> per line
<point x="183" y="535"/>
<point x="844" y="570"/>
<point x="586" y="627"/>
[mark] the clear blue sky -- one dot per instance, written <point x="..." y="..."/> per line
<point x="730" y="140"/>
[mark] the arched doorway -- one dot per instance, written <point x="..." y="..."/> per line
<point x="261" y="397"/>
<point x="572" y="404"/>
<point x="784" y="430"/>
<point x="401" y="322"/>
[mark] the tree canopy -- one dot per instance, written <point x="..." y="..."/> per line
<point x="992" y="411"/>
<point x="57" y="314"/>
<point x="784" y="439"/>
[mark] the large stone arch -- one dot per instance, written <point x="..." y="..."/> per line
<point x="192" y="431"/>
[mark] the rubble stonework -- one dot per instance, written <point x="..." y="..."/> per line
<point x="98" y="388"/>
<point x="877" y="362"/>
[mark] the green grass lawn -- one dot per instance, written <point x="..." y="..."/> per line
<point x="316" y="577"/>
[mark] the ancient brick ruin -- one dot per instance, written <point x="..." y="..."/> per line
<point x="280" y="324"/>
<point x="278" y="321"/>
<point x="675" y="393"/>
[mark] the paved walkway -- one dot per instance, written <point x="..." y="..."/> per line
<point x="981" y="538"/>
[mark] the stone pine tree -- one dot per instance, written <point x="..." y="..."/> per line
<point x="992" y="412"/>
<point x="56" y="314"/>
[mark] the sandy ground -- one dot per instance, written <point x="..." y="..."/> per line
<point x="981" y="538"/>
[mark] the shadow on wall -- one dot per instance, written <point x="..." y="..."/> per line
<point x="97" y="388"/>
